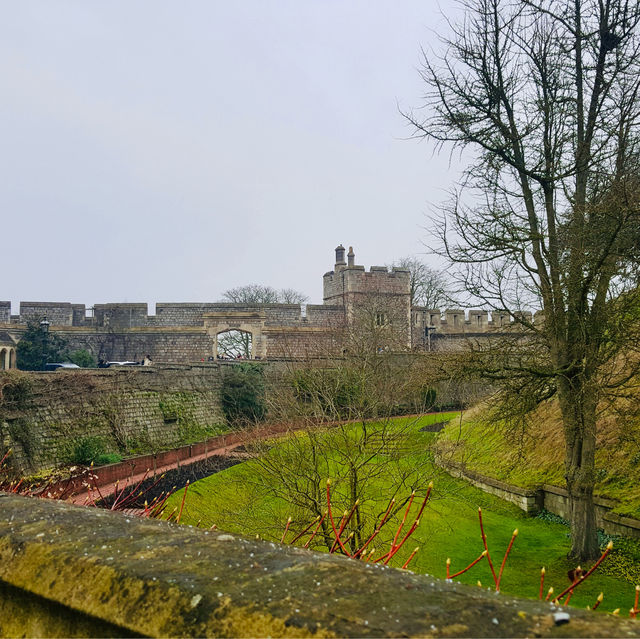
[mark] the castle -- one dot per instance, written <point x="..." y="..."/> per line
<point x="187" y="332"/>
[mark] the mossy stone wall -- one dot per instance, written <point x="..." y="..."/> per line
<point x="123" y="410"/>
<point x="69" y="567"/>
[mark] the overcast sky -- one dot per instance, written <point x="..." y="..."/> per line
<point x="167" y="151"/>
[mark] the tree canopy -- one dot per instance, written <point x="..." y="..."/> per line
<point x="260" y="294"/>
<point x="37" y="347"/>
<point x="429" y="286"/>
<point x="544" y="99"/>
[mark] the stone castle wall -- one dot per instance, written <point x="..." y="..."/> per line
<point x="129" y="409"/>
<point x="183" y="333"/>
<point x="187" y="332"/>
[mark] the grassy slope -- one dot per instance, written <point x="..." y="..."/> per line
<point x="449" y="528"/>
<point x="535" y="456"/>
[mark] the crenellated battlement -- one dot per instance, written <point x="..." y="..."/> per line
<point x="348" y="278"/>
<point x="187" y="331"/>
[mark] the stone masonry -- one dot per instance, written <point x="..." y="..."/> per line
<point x="129" y="409"/>
<point x="188" y="332"/>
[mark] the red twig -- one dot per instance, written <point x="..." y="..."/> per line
<point x="159" y="507"/>
<point x="504" y="559"/>
<point x="343" y="521"/>
<point x="541" y="582"/>
<point x="566" y="601"/>
<point x="184" y="496"/>
<point x="484" y="541"/>
<point x="410" y="532"/>
<point x="313" y="534"/>
<point x="549" y="593"/>
<point x="286" y="530"/>
<point x="471" y="565"/>
<point x="4" y="458"/>
<point x="448" y="566"/>
<point x="425" y="500"/>
<point x="404" y="519"/>
<point x="172" y="513"/>
<point x="377" y="530"/>
<point x="304" y="531"/>
<point x="598" y="600"/>
<point x="589" y="572"/>
<point x="411" y="556"/>
<point x="333" y="525"/>
<point x="350" y="515"/>
<point x="396" y="547"/>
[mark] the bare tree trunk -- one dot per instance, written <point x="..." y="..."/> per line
<point x="578" y="402"/>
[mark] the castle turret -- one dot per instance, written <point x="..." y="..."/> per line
<point x="340" y="256"/>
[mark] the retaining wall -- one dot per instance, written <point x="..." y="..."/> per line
<point x="130" y="410"/>
<point x="552" y="498"/>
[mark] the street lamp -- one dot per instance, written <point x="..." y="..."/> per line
<point x="44" y="327"/>
<point x="427" y="331"/>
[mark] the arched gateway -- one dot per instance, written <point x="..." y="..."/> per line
<point x="251" y="322"/>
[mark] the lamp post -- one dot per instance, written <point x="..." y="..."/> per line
<point x="427" y="331"/>
<point x="44" y="327"/>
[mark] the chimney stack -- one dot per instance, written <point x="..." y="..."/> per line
<point x="351" y="256"/>
<point x="340" y="256"/>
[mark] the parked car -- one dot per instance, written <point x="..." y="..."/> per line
<point x="54" y="366"/>
<point x="109" y="364"/>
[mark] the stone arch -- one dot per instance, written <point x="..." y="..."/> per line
<point x="12" y="358"/>
<point x="4" y="359"/>
<point x="251" y="322"/>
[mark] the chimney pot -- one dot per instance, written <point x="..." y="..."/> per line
<point x="351" y="256"/>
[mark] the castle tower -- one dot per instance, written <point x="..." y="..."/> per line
<point x="384" y="295"/>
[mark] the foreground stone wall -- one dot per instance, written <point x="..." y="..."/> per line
<point x="70" y="571"/>
<point x="129" y="409"/>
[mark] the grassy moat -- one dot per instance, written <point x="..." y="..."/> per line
<point x="246" y="500"/>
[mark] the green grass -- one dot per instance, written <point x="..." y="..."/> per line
<point x="535" y="455"/>
<point x="236" y="500"/>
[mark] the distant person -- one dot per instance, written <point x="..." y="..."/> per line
<point x="146" y="361"/>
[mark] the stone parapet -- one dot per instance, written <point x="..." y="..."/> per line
<point x="73" y="571"/>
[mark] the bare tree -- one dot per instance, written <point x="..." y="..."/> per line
<point x="343" y="405"/>
<point x="291" y="296"/>
<point x="543" y="96"/>
<point x="260" y="294"/>
<point x="429" y="286"/>
<point x="251" y="294"/>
